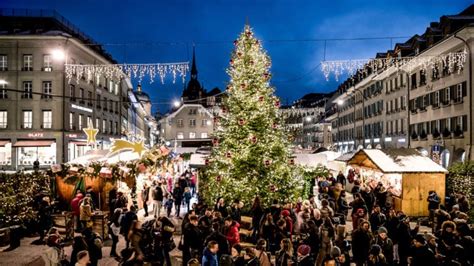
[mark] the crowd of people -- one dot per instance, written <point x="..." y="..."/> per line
<point x="311" y="231"/>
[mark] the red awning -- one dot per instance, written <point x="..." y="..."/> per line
<point x="33" y="143"/>
<point x="4" y="142"/>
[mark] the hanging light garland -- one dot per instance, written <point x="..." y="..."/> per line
<point x="119" y="71"/>
<point x="453" y="61"/>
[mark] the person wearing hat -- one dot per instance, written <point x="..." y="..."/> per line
<point x="304" y="257"/>
<point x="422" y="254"/>
<point x="361" y="238"/>
<point x="336" y="257"/>
<point x="376" y="257"/>
<point x="285" y="215"/>
<point x="385" y="244"/>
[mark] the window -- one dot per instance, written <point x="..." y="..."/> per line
<point x="71" y="121"/>
<point x="204" y="122"/>
<point x="89" y="122"/>
<point x="422" y="78"/>
<point x="72" y="92"/>
<point x="111" y="86"/>
<point x="47" y="63"/>
<point x="3" y="119"/>
<point x="81" y="94"/>
<point x="98" y="102"/>
<point x="396" y="126"/>
<point x="27" y="90"/>
<point x="192" y="122"/>
<point x="97" y="122"/>
<point x="116" y="89"/>
<point x="27" y="119"/>
<point x="116" y="107"/>
<point x="47" y="90"/>
<point x="81" y="117"/>
<point x="104" y="126"/>
<point x="27" y="62"/>
<point x="89" y="98"/>
<point x="110" y="127"/>
<point x="192" y="135"/>
<point x="413" y="81"/>
<point x="3" y="62"/>
<point x="116" y="128"/>
<point x="435" y="73"/>
<point x="459" y="93"/>
<point x="436" y="99"/>
<point x="97" y="80"/>
<point x="111" y="106"/>
<point x="402" y="121"/>
<point x="204" y="135"/>
<point x="447" y="95"/>
<point x="3" y="91"/>
<point x="402" y="102"/>
<point x="47" y="119"/>
<point x="105" y="104"/>
<point x="180" y="135"/>
<point x="192" y="111"/>
<point x="179" y="122"/>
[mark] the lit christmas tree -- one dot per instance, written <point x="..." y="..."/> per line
<point x="251" y="154"/>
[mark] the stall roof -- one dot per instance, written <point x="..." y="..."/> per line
<point x="345" y="157"/>
<point x="198" y="160"/>
<point x="396" y="161"/>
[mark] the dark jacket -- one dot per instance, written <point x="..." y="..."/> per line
<point x="157" y="193"/>
<point x="126" y="222"/>
<point x="177" y="195"/>
<point x="433" y="201"/>
<point x="192" y="237"/>
<point x="361" y="244"/>
<point x="221" y="241"/>
<point x="423" y="256"/>
<point x="282" y="258"/>
<point x="386" y="246"/>
<point x="209" y="258"/>
<point x="145" y="194"/>
<point x="305" y="261"/>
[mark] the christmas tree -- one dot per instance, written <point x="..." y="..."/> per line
<point x="251" y="154"/>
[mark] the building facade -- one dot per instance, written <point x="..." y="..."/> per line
<point x="42" y="113"/>
<point x="190" y="126"/>
<point x="411" y="106"/>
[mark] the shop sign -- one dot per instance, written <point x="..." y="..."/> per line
<point x="35" y="135"/>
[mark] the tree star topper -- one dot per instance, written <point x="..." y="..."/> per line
<point x="120" y="144"/>
<point x="91" y="133"/>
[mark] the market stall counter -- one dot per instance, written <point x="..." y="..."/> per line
<point x="407" y="175"/>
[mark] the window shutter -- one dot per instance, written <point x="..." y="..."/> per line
<point x="464" y="89"/>
<point x="464" y="123"/>
<point x="442" y="95"/>
<point x="453" y="92"/>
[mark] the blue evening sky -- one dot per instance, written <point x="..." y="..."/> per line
<point x="214" y="24"/>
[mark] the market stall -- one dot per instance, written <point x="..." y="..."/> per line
<point x="405" y="173"/>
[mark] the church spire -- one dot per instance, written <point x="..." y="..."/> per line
<point x="194" y="71"/>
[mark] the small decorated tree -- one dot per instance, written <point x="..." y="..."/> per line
<point x="251" y="155"/>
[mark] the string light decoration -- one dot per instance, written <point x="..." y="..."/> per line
<point x="453" y="61"/>
<point x="120" y="71"/>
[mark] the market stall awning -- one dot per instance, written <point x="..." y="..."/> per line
<point x="4" y="142"/>
<point x="33" y="143"/>
<point x="197" y="160"/>
<point x="395" y="161"/>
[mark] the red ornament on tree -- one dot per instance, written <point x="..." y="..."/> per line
<point x="241" y="121"/>
<point x="215" y="142"/>
<point x="267" y="163"/>
<point x="291" y="161"/>
<point x="251" y="62"/>
<point x="239" y="54"/>
<point x="219" y="178"/>
<point x="277" y="103"/>
<point x="248" y="33"/>
<point x="253" y="139"/>
<point x="236" y="42"/>
<point x="243" y="85"/>
<point x="231" y="61"/>
<point x="261" y="98"/>
<point x="224" y="110"/>
<point x="274" y="125"/>
<point x="266" y="75"/>
<point x="216" y="120"/>
<point x="206" y="162"/>
<point x="272" y="188"/>
<point x="228" y="154"/>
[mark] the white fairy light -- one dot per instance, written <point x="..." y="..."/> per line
<point x="453" y="61"/>
<point x="120" y="71"/>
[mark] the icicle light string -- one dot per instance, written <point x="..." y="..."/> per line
<point x="120" y="71"/>
<point x="453" y="62"/>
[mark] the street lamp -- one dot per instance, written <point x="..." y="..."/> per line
<point x="340" y="102"/>
<point x="176" y="103"/>
<point x="58" y="54"/>
<point x="308" y="119"/>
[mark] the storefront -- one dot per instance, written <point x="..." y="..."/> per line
<point x="5" y="153"/>
<point x="28" y="151"/>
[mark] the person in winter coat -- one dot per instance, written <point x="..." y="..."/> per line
<point x="79" y="244"/>
<point x="422" y="254"/>
<point x="192" y="239"/>
<point x="404" y="237"/>
<point x="83" y="258"/>
<point x="178" y="198"/>
<point x="157" y="197"/>
<point x="187" y="197"/>
<point x="261" y="253"/>
<point x="304" y="257"/>
<point x="341" y="179"/>
<point x="249" y="257"/>
<point x="114" y="231"/>
<point x="145" y="197"/>
<point x="221" y="207"/>
<point x="385" y="244"/>
<point x="232" y="231"/>
<point x="121" y="201"/>
<point x="284" y="257"/>
<point x="220" y="239"/>
<point x="126" y="223"/>
<point x="376" y="257"/>
<point x="361" y="238"/>
<point x="377" y="218"/>
<point x="433" y="204"/>
<point x="326" y="235"/>
<point x="94" y="244"/>
<point x="209" y="257"/>
<point x="76" y="209"/>
<point x="86" y="212"/>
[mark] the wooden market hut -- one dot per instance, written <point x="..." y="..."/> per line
<point x="413" y="173"/>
